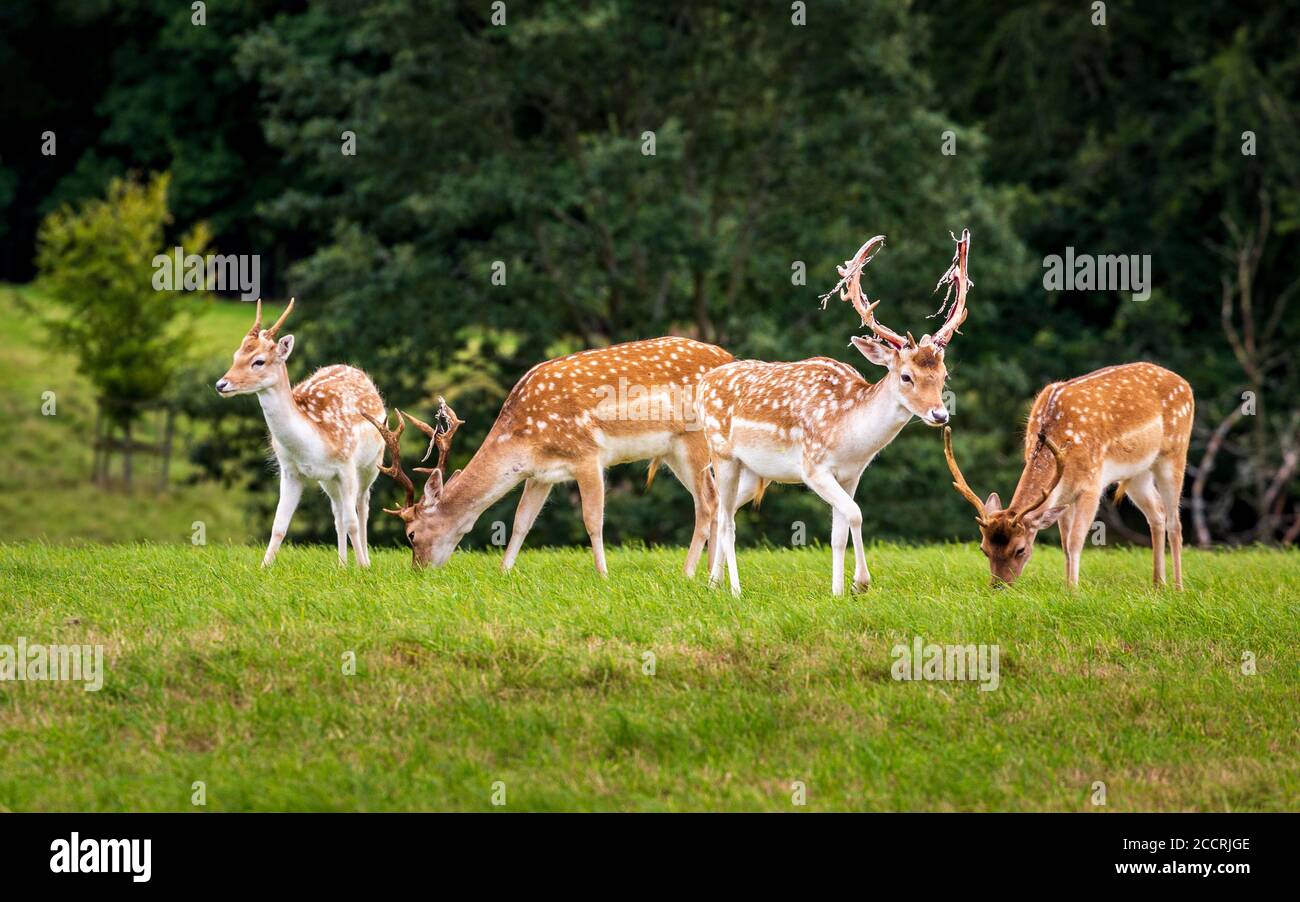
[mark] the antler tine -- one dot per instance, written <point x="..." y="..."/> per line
<point x="957" y="277"/>
<point x="257" y="320"/>
<point x="1059" y="460"/>
<point x="850" y="289"/>
<point x="438" y="438"/>
<point x="444" y="438"/>
<point x="426" y="429"/>
<point x="270" y="333"/>
<point x="959" y="481"/>
<point x="393" y="440"/>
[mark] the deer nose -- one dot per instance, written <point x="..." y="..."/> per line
<point x="939" y="416"/>
<point x="222" y="385"/>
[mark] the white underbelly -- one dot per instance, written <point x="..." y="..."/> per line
<point x="1117" y="471"/>
<point x="775" y="463"/>
<point x="621" y="449"/>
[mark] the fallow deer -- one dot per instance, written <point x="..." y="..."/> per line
<point x="819" y="421"/>
<point x="1127" y="424"/>
<point x="317" y="431"/>
<point x="568" y="419"/>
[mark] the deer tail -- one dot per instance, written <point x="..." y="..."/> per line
<point x="650" y="477"/>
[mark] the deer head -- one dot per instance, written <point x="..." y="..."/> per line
<point x="432" y="527"/>
<point x="916" y="369"/>
<point x="260" y="358"/>
<point x="1007" y="536"/>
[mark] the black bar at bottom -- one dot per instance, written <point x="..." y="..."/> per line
<point x="333" y="851"/>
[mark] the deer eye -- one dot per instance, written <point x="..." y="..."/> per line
<point x="1020" y="552"/>
<point x="907" y="379"/>
<point x="410" y="536"/>
<point x="258" y="362"/>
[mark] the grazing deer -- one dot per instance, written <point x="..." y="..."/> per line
<point x="1129" y="424"/>
<point x="317" y="432"/>
<point x="819" y="421"/>
<point x="568" y="419"/>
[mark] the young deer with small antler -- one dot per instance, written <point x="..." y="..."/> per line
<point x="317" y="432"/>
<point x="1129" y="424"/>
<point x="819" y="421"/>
<point x="569" y="419"/>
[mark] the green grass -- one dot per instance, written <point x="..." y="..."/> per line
<point x="44" y="488"/>
<point x="223" y="673"/>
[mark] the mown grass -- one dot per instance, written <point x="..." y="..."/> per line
<point x="223" y="673"/>
<point x="45" y="490"/>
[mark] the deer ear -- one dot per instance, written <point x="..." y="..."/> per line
<point x="432" y="488"/>
<point x="284" y="347"/>
<point x="1041" y="519"/>
<point x="877" y="352"/>
<point x="993" y="504"/>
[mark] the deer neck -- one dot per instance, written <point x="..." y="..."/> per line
<point x="879" y="414"/>
<point x="490" y="474"/>
<point x="1035" y="479"/>
<point x="284" y="417"/>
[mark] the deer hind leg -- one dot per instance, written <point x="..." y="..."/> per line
<point x="1169" y="483"/>
<point x="842" y="503"/>
<point x="1082" y="515"/>
<point x="290" y="494"/>
<point x="689" y="462"/>
<point x="530" y="505"/>
<point x="1142" y="490"/>
<point x="727" y="475"/>
<point x="591" y="488"/>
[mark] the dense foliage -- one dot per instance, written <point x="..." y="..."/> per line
<point x="519" y="153"/>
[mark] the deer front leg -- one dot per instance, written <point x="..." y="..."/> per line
<point x="290" y="494"/>
<point x="861" y="575"/>
<point x="839" y="541"/>
<point x="350" y="488"/>
<point x="335" y="494"/>
<point x="830" y="491"/>
<point x="591" y="488"/>
<point x="367" y="479"/>
<point x="530" y="504"/>
<point x="1081" y="516"/>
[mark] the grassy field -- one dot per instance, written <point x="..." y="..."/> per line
<point x="45" y="491"/>
<point x="465" y="678"/>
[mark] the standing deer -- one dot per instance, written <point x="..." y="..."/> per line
<point x="568" y="419"/>
<point x="819" y="421"/>
<point x="317" y="432"/>
<point x="1129" y="424"/>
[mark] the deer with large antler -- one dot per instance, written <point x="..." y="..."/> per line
<point x="819" y="421"/>
<point x="317" y="431"/>
<point x="568" y="419"/>
<point x="1127" y="424"/>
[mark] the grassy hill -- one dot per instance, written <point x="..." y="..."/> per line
<point x="536" y="682"/>
<point x="45" y="492"/>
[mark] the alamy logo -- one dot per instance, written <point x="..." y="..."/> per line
<point x="946" y="662"/>
<point x="1108" y="272"/>
<point x="179" y="271"/>
<point x="55" y="663"/>
<point x="647" y="403"/>
<point x="103" y="856"/>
